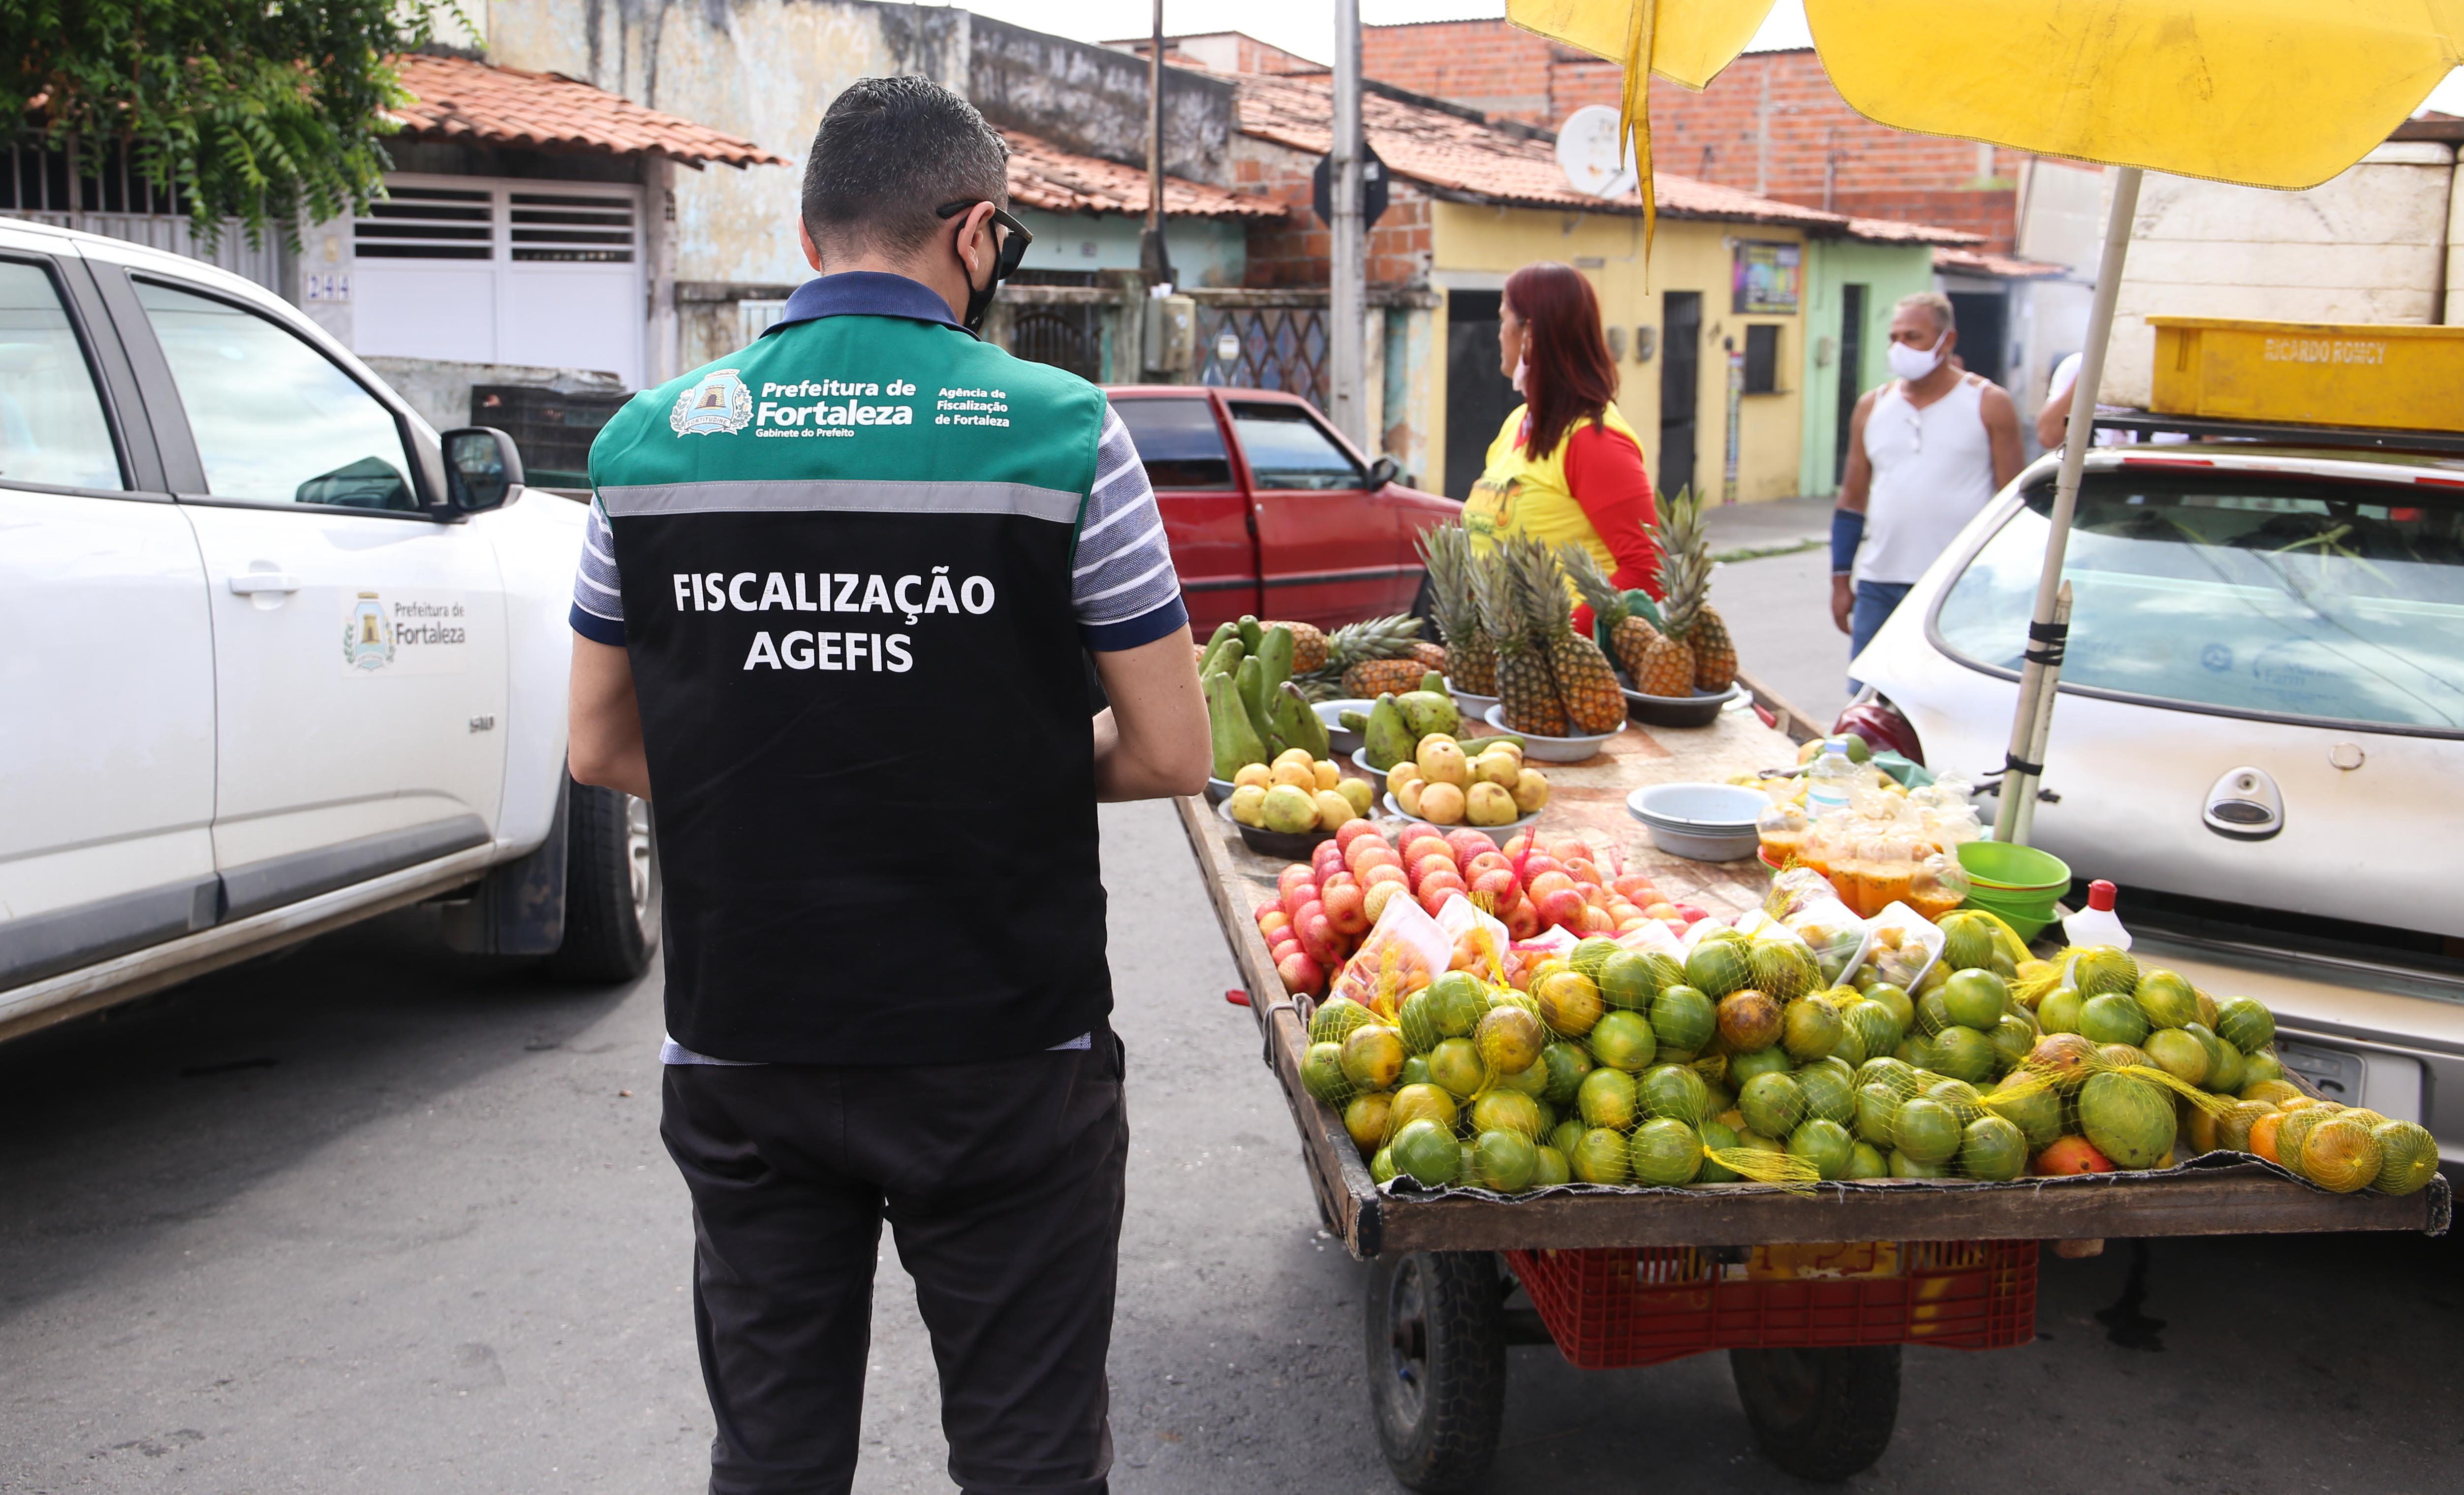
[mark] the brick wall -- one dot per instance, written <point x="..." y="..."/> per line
<point x="1490" y="65"/>
<point x="1293" y="252"/>
<point x="1772" y="124"/>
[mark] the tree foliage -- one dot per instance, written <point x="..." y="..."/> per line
<point x="266" y="111"/>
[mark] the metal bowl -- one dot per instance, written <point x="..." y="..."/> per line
<point x="1218" y="789"/>
<point x="1550" y="749"/>
<point x="1702" y="709"/>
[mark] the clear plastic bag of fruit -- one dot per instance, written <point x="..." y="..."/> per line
<point x="1830" y="929"/>
<point x="1783" y="830"/>
<point x="1479" y="941"/>
<point x="1900" y="946"/>
<point x="1940" y="885"/>
<point x="1405" y="952"/>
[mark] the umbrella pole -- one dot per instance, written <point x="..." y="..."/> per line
<point x="2023" y="763"/>
<point x="2023" y="816"/>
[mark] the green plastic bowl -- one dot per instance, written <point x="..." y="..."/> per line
<point x="2026" y="926"/>
<point x="2013" y="869"/>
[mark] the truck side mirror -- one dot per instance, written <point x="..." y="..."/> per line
<point x="482" y="468"/>
<point x="1381" y="472"/>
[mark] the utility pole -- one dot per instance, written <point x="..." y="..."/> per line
<point x="1152" y="257"/>
<point x="1347" y="315"/>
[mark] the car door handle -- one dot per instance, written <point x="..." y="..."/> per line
<point x="249" y="583"/>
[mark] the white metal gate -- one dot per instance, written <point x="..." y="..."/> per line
<point x="500" y="271"/>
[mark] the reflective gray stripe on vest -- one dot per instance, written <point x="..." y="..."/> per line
<point x="842" y="495"/>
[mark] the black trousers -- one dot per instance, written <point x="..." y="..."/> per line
<point x="1003" y="1184"/>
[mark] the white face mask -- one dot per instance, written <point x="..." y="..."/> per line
<point x="1914" y="364"/>
<point x="1518" y="367"/>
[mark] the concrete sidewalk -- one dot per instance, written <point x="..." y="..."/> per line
<point x="1775" y="525"/>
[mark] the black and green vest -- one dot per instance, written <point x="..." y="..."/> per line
<point x="846" y="558"/>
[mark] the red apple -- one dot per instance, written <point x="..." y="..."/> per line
<point x="1292" y="875"/>
<point x="1357" y="830"/>
<point x="1466" y="843"/>
<point x="1565" y="908"/>
<point x="1301" y="974"/>
<point x="1347" y="906"/>
<point x="1318" y="937"/>
<point x="1521" y="921"/>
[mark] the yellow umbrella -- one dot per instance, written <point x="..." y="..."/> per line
<point x="2265" y="93"/>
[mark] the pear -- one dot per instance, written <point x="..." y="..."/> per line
<point x="1427" y="711"/>
<point x="1388" y="741"/>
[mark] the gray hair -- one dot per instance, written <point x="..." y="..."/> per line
<point x="890" y="152"/>
<point x="1935" y="305"/>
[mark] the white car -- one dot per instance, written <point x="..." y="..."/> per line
<point x="274" y="654"/>
<point x="2259" y="737"/>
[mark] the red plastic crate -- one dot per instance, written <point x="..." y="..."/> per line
<point x="1612" y="1309"/>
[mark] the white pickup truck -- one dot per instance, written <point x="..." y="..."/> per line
<point x="274" y="656"/>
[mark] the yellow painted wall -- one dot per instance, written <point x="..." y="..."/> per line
<point x="1688" y="254"/>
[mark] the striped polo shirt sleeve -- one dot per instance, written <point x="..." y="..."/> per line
<point x="598" y="606"/>
<point x="1123" y="583"/>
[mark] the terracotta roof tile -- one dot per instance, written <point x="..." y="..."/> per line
<point x="454" y="99"/>
<point x="1452" y="154"/>
<point x="1891" y="231"/>
<point x="2008" y="267"/>
<point x="1043" y="175"/>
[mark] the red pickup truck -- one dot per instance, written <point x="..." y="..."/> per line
<point x="1270" y="512"/>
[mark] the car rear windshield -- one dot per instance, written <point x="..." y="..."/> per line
<point x="1178" y="441"/>
<point x="2282" y="597"/>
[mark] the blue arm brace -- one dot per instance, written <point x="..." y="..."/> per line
<point x="1847" y="532"/>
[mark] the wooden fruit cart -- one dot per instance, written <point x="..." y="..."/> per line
<point x="1812" y="1291"/>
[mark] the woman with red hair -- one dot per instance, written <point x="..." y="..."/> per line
<point x="1565" y="467"/>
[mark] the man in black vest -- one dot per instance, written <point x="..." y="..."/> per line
<point x="835" y="608"/>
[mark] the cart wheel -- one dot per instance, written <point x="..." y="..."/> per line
<point x="1820" y="1414"/>
<point x="1436" y="1365"/>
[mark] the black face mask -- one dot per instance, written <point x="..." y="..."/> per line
<point x="1006" y="262"/>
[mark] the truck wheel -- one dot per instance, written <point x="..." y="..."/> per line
<point x="1437" y="1366"/>
<point x="611" y="888"/>
<point x="1820" y="1414"/>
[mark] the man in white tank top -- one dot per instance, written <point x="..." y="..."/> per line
<point x="1925" y="452"/>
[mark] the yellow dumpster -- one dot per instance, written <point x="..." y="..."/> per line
<point x="2340" y="373"/>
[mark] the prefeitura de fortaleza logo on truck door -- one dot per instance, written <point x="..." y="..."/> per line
<point x="428" y="634"/>
<point x="718" y="404"/>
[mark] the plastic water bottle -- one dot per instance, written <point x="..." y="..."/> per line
<point x="1831" y="779"/>
<point x="2097" y="923"/>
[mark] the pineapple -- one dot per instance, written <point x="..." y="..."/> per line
<point x="1715" y="654"/>
<point x="1685" y="583"/>
<point x="1667" y="669"/>
<point x="1470" y="653"/>
<point x="1525" y="688"/>
<point x="1432" y="656"/>
<point x="1586" y="684"/>
<point x="1630" y="637"/>
<point x="1372" y="678"/>
<point x="1376" y="639"/>
<point x="1309" y="647"/>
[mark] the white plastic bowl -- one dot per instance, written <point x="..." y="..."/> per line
<point x="1342" y="739"/>
<point x="1550" y="749"/>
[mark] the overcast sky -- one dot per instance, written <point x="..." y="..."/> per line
<point x="1308" y="26"/>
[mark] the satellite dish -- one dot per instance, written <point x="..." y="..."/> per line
<point x="1592" y="152"/>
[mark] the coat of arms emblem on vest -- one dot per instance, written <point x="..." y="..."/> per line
<point x="717" y="404"/>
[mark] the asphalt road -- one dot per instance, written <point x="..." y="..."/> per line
<point x="379" y="1219"/>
